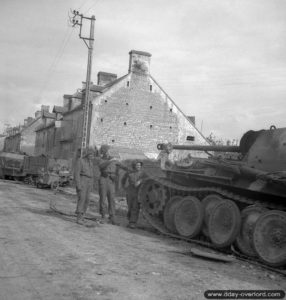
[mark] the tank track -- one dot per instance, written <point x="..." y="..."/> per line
<point x="201" y="192"/>
<point x="207" y="190"/>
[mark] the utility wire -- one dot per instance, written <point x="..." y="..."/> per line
<point x="83" y="4"/>
<point x="56" y="60"/>
<point x="93" y="5"/>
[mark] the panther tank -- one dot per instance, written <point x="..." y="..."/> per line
<point x="233" y="199"/>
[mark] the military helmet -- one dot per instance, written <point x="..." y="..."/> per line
<point x="135" y="162"/>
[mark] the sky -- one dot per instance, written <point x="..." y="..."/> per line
<point x="223" y="61"/>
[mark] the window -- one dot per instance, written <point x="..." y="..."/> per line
<point x="128" y="83"/>
<point x="151" y="106"/>
<point x="171" y="109"/>
<point x="190" y="138"/>
<point x="101" y="120"/>
<point x="151" y="126"/>
<point x="127" y="103"/>
<point x="151" y="87"/>
<point x="125" y="123"/>
<point x="113" y="141"/>
<point x="105" y="101"/>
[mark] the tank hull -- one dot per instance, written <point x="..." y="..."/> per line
<point x="242" y="199"/>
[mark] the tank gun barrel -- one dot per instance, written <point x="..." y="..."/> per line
<point x="169" y="147"/>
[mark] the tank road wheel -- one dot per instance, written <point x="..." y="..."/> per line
<point x="224" y="223"/>
<point x="169" y="212"/>
<point x="269" y="238"/>
<point x="152" y="196"/>
<point x="244" y="241"/>
<point x="208" y="203"/>
<point x="188" y="217"/>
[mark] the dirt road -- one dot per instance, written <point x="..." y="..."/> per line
<point x="44" y="255"/>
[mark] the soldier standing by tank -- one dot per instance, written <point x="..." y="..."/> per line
<point x="131" y="181"/>
<point x="84" y="183"/>
<point x="106" y="184"/>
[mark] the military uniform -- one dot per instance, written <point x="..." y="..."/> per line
<point x="106" y="184"/>
<point x="84" y="184"/>
<point x="131" y="181"/>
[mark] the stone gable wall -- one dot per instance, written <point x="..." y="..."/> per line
<point x="136" y="113"/>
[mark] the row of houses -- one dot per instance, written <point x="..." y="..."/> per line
<point x="130" y="112"/>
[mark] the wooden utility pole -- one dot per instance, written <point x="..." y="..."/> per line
<point x="89" y="41"/>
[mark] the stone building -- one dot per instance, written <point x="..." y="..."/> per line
<point x="2" y="141"/>
<point x="132" y="111"/>
<point x="61" y="137"/>
<point x="21" y="139"/>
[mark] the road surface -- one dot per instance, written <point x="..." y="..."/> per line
<point x="45" y="255"/>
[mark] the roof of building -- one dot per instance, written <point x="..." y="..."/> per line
<point x="110" y="84"/>
<point x="40" y="127"/>
<point x="78" y="107"/>
<point x="59" y="109"/>
<point x="97" y="88"/>
<point x="101" y="89"/>
<point x="47" y="114"/>
<point x="77" y="95"/>
<point x="43" y="126"/>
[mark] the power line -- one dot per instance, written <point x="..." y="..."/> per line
<point x="83" y="4"/>
<point x="56" y="59"/>
<point x="93" y="5"/>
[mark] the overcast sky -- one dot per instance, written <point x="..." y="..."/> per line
<point x="223" y="61"/>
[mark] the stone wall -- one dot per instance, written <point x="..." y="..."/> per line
<point x="28" y="137"/>
<point x="2" y="141"/>
<point x="71" y="133"/>
<point x="137" y="113"/>
<point x="12" y="143"/>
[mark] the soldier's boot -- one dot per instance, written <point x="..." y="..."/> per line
<point x="102" y="220"/>
<point x="131" y="225"/>
<point x="112" y="220"/>
<point x="80" y="219"/>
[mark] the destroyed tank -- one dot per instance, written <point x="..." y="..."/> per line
<point x="229" y="203"/>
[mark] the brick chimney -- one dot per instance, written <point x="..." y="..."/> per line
<point x="84" y="84"/>
<point x="45" y="108"/>
<point x="38" y="113"/>
<point x="139" y="62"/>
<point x="67" y="101"/>
<point x="29" y="120"/>
<point x="104" y="78"/>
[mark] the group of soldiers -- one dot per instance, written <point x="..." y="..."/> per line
<point x="84" y="181"/>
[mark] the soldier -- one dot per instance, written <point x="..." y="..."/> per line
<point x="108" y="168"/>
<point x="84" y="183"/>
<point x="131" y="181"/>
